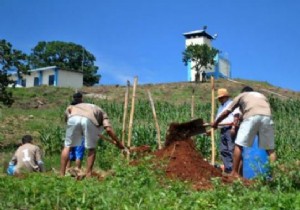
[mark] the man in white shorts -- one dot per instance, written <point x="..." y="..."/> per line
<point x="88" y="121"/>
<point x="257" y="120"/>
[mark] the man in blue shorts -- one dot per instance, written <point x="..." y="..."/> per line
<point x="76" y="154"/>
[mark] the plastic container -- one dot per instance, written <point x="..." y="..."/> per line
<point x="255" y="161"/>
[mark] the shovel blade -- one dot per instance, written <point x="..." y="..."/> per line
<point x="182" y="131"/>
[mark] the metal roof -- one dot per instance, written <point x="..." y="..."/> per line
<point x="52" y="68"/>
<point x="43" y="68"/>
<point x="198" y="33"/>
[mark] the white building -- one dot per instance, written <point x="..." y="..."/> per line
<point x="52" y="76"/>
<point x="221" y="69"/>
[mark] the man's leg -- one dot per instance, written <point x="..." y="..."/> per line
<point x="68" y="164"/>
<point x="64" y="159"/>
<point x="237" y="156"/>
<point x="226" y="147"/>
<point x="90" y="161"/>
<point x="78" y="163"/>
<point x="272" y="155"/>
<point x="79" y="153"/>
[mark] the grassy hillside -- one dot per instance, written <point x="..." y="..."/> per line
<point x="35" y="107"/>
<point x="39" y="111"/>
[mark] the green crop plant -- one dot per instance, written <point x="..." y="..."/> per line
<point x="52" y="138"/>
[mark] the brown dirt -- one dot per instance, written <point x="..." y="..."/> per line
<point x="184" y="162"/>
<point x="181" y="160"/>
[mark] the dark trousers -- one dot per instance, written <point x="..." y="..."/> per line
<point x="226" y="149"/>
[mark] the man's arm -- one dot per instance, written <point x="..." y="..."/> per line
<point x="112" y="134"/>
<point x="224" y="114"/>
<point x="38" y="158"/>
<point x="13" y="160"/>
<point x="67" y="113"/>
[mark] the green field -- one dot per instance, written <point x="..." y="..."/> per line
<point x="39" y="112"/>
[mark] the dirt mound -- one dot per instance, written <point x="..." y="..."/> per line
<point x="185" y="163"/>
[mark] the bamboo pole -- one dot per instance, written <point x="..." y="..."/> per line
<point x="193" y="104"/>
<point x="212" y="120"/>
<point x="125" y="112"/>
<point x="131" y="115"/>
<point x="155" y="119"/>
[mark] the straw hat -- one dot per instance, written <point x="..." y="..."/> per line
<point x="222" y="92"/>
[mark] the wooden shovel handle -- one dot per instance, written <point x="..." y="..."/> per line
<point x="221" y="124"/>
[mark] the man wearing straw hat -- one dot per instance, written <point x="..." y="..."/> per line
<point x="257" y="119"/>
<point x="88" y="121"/>
<point x="226" y="126"/>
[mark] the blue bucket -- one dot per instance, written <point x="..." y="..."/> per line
<point x="255" y="161"/>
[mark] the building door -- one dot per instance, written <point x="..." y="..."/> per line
<point x="36" y="81"/>
<point x="23" y="82"/>
<point x="51" y="80"/>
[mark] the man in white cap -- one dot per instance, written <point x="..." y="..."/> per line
<point x="226" y="126"/>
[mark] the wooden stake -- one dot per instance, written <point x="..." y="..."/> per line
<point x="131" y="114"/>
<point x="155" y="119"/>
<point x="125" y="112"/>
<point x="193" y="104"/>
<point x="212" y="120"/>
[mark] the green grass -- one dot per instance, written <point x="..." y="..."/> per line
<point x="137" y="187"/>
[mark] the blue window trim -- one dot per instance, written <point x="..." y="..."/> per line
<point x="40" y="77"/>
<point x="55" y="76"/>
<point x="217" y="70"/>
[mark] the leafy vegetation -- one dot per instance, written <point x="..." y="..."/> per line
<point x="201" y="56"/>
<point x="10" y="59"/>
<point x="66" y="55"/>
<point x="138" y="187"/>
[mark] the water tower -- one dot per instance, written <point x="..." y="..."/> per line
<point x="222" y="64"/>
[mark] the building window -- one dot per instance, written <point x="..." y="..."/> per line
<point x="36" y="81"/>
<point x="51" y="80"/>
<point x="23" y="82"/>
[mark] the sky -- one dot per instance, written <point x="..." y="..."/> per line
<point x="144" y="38"/>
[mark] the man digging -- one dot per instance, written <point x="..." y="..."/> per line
<point x="256" y="112"/>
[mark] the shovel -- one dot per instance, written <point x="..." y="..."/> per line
<point x="183" y="131"/>
<point x="144" y="148"/>
<point x="126" y="149"/>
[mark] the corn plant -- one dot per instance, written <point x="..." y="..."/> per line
<point x="52" y="139"/>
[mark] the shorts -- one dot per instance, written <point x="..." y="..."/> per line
<point x="77" y="152"/>
<point x="79" y="127"/>
<point x="260" y="125"/>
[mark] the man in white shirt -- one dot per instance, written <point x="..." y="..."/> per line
<point x="226" y="126"/>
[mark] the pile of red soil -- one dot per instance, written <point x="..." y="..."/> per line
<point x="184" y="162"/>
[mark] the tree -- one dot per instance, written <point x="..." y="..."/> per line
<point x="201" y="55"/>
<point x="10" y="60"/>
<point x="66" y="55"/>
